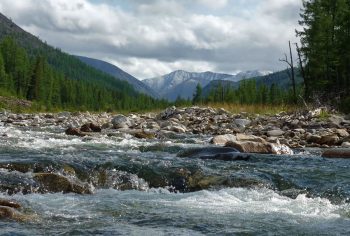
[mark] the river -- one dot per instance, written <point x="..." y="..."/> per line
<point x="142" y="187"/>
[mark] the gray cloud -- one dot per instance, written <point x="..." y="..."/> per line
<point x="149" y="38"/>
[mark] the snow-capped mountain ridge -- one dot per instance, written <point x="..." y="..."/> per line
<point x="182" y="83"/>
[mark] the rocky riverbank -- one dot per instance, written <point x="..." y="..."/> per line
<point x="276" y="134"/>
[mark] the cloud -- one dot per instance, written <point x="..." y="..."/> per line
<point x="152" y="37"/>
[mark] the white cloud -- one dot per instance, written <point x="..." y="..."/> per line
<point x="153" y="37"/>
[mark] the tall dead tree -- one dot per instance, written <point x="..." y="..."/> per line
<point x="303" y="74"/>
<point x="292" y="76"/>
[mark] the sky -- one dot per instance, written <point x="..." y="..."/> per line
<point x="149" y="38"/>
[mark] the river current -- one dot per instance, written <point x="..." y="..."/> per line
<point x="143" y="187"/>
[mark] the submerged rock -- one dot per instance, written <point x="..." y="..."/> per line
<point x="214" y="153"/>
<point x="51" y="182"/>
<point x="144" y="135"/>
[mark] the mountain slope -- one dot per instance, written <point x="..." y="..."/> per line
<point x="281" y="79"/>
<point x="119" y="74"/>
<point x="67" y="64"/>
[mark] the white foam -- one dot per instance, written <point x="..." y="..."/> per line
<point x="260" y="201"/>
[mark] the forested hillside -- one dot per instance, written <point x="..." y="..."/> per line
<point x="274" y="89"/>
<point x="325" y="51"/>
<point x="36" y="71"/>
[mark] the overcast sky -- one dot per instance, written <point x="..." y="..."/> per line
<point x="149" y="38"/>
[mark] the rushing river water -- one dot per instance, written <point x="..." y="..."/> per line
<point x="144" y="187"/>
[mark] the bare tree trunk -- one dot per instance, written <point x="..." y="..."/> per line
<point x="306" y="82"/>
<point x="293" y="74"/>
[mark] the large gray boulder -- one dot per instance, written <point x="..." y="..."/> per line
<point x="121" y="121"/>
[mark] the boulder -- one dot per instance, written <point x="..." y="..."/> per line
<point x="250" y="147"/>
<point x="330" y="140"/>
<point x="74" y="131"/>
<point x="257" y="147"/>
<point x="223" y="139"/>
<point x="121" y="121"/>
<point x="310" y="138"/>
<point x="51" y="182"/>
<point x="90" y="127"/>
<point x="337" y="153"/>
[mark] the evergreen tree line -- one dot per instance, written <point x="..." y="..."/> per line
<point x="248" y="92"/>
<point x="325" y="50"/>
<point x="31" y="77"/>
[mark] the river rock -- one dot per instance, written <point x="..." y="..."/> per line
<point x="144" y="135"/>
<point x="330" y="140"/>
<point x="249" y="137"/>
<point x="275" y="133"/>
<point x="121" y="121"/>
<point x="74" y="131"/>
<point x="223" y="139"/>
<point x="257" y="147"/>
<point x="90" y="127"/>
<point x="345" y="144"/>
<point x="12" y="214"/>
<point x="214" y="153"/>
<point x="337" y="153"/>
<point x="242" y="123"/>
<point x="51" y="182"/>
<point x="9" y="203"/>
<point x="342" y="133"/>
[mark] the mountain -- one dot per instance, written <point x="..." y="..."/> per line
<point x="182" y="83"/>
<point x="71" y="66"/>
<point x="280" y="78"/>
<point x="119" y="74"/>
<point x="34" y="70"/>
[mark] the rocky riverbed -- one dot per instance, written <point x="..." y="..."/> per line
<point x="276" y="134"/>
<point x="181" y="171"/>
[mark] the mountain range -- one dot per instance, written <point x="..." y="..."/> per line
<point x="182" y="84"/>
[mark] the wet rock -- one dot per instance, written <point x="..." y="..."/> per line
<point x="9" y="203"/>
<point x="121" y="121"/>
<point x="250" y="147"/>
<point x="90" y="127"/>
<point x="51" y="182"/>
<point x="263" y="148"/>
<point x="337" y="153"/>
<point x="74" y="131"/>
<point x="144" y="135"/>
<point x="214" y="153"/>
<point x="9" y="213"/>
<point x="121" y="180"/>
<point x="223" y="139"/>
